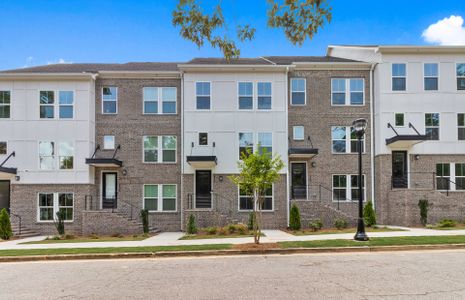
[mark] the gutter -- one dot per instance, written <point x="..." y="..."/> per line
<point x="182" y="150"/>
<point x="288" y="200"/>
<point x="48" y="76"/>
<point x="372" y="135"/>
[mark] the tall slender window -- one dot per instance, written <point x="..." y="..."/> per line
<point x="245" y="95"/>
<point x="203" y="93"/>
<point x="47" y="155"/>
<point x="265" y="142"/>
<point x="150" y="95"/>
<point x="432" y="126"/>
<point x="461" y="76"/>
<point x="461" y="126"/>
<point x="168" y="97"/>
<point x="245" y="143"/>
<point x="460" y="176"/>
<point x="443" y="176"/>
<point x="110" y="100"/>
<point x="399" y="77"/>
<point x="264" y="95"/>
<point x="169" y="148"/>
<point x="47" y="104"/>
<point x="66" y="102"/>
<point x="150" y="149"/>
<point x="431" y="73"/>
<point x="356" y="91"/>
<point x="298" y="93"/>
<point x="66" y="155"/>
<point x="5" y="102"/>
<point x="338" y="91"/>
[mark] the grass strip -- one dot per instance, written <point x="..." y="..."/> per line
<point x="88" y="240"/>
<point x="345" y="230"/>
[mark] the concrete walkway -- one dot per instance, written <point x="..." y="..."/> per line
<point x="172" y="239"/>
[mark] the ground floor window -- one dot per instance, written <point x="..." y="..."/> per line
<point x="51" y="203"/>
<point x="160" y="197"/>
<point x="450" y="176"/>
<point x="246" y="201"/>
<point x="345" y="187"/>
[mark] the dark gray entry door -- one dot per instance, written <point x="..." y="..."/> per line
<point x="5" y="194"/>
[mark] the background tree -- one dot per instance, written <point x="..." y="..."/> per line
<point x="299" y="19"/>
<point x="258" y="171"/>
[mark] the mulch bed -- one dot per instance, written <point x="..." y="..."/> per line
<point x="253" y="246"/>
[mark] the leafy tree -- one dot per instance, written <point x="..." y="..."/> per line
<point x="294" y="218"/>
<point x="257" y="172"/>
<point x="5" y="226"/>
<point x="369" y="214"/>
<point x="299" y="19"/>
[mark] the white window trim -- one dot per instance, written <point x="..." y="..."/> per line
<point x="56" y="105"/>
<point x="399" y="126"/>
<point x="114" y="142"/>
<point x="6" y="142"/>
<point x="160" y="198"/>
<point x="272" y="141"/>
<point x="348" y="142"/>
<point x="250" y="210"/>
<point x="438" y="127"/>
<point x="349" y="188"/>
<point x="160" y="150"/>
<point x="56" y="156"/>
<point x="117" y="95"/>
<point x="457" y="77"/>
<point x="347" y="92"/>
<point x="160" y="100"/>
<point x="197" y="137"/>
<point x="253" y="96"/>
<point x="271" y="96"/>
<point x="458" y="126"/>
<point x="10" y="104"/>
<point x="55" y="207"/>
<point x="196" y="95"/>
<point x="424" y="77"/>
<point x="305" y="91"/>
<point x="294" y="135"/>
<point x="406" y="74"/>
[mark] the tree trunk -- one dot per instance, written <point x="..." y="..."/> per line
<point x="256" y="224"/>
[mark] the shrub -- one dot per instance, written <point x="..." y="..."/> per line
<point x="445" y="223"/>
<point x="5" y="225"/>
<point x="241" y="228"/>
<point x="191" y="227"/>
<point x="294" y="218"/>
<point x="369" y="215"/>
<point x="144" y="215"/>
<point x="340" y="224"/>
<point x="68" y="237"/>
<point x="211" y="230"/>
<point x="60" y="223"/>
<point x="315" y="225"/>
<point x="231" y="228"/>
<point x="251" y="221"/>
<point x="117" y="235"/>
<point x="94" y="236"/>
<point x="423" y="205"/>
<point x="222" y="230"/>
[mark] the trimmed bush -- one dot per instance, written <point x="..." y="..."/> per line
<point x="340" y="224"/>
<point x="294" y="218"/>
<point x="446" y="223"/>
<point x="5" y="225"/>
<point x="191" y="227"/>
<point x="144" y="215"/>
<point x="222" y="230"/>
<point x="241" y="228"/>
<point x="251" y="221"/>
<point x="369" y="215"/>
<point x="211" y="230"/>
<point x="315" y="225"/>
<point x="60" y="222"/>
<point x="231" y="228"/>
<point x="423" y="204"/>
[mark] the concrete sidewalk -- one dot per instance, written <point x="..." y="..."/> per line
<point x="172" y="239"/>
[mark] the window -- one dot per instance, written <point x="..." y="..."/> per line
<point x="245" y="143"/>
<point x="399" y="77"/>
<point x="51" y="203"/>
<point x="344" y="185"/>
<point x="460" y="176"/>
<point x="5" y="102"/>
<point x="431" y="73"/>
<point x="108" y="142"/>
<point x="158" y="149"/>
<point x="167" y="201"/>
<point x="246" y="201"/>
<point x="245" y="95"/>
<point x="203" y="95"/>
<point x="3" y="148"/>
<point x="340" y="142"/>
<point x="110" y="100"/>
<point x="298" y="132"/>
<point x="461" y="76"/>
<point x="150" y="95"/>
<point x="265" y="142"/>
<point x="47" y="155"/>
<point x="65" y="102"/>
<point x="66" y="155"/>
<point x="47" y="104"/>
<point x="353" y="95"/>
<point x="399" y="119"/>
<point x="203" y="138"/>
<point x="432" y="126"/>
<point x="152" y="105"/>
<point x="443" y="176"/>
<point x="461" y="126"/>
<point x="264" y="95"/>
<point x="298" y="93"/>
<point x="168" y="95"/>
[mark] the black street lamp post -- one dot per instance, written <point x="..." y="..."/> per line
<point x="360" y="126"/>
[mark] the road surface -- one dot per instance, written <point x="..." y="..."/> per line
<point x="386" y="275"/>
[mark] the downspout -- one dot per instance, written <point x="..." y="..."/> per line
<point x="182" y="150"/>
<point x="372" y="135"/>
<point x="287" y="146"/>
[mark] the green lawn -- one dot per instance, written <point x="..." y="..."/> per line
<point x="214" y="236"/>
<point x="90" y="240"/>
<point x="388" y="241"/>
<point x="345" y="230"/>
<point x="456" y="227"/>
<point x="26" y="252"/>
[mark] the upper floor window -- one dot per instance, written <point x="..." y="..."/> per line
<point x="245" y="95"/>
<point x="108" y="142"/>
<point x="245" y="143"/>
<point x="298" y="133"/>
<point x="47" y="155"/>
<point x="152" y="105"/>
<point x="431" y="75"/>
<point x="399" y="120"/>
<point x="66" y="102"/>
<point x="203" y="138"/>
<point x="3" y="148"/>
<point x="158" y="149"/>
<point x="347" y="91"/>
<point x="66" y="155"/>
<point x="160" y="197"/>
<point x="110" y="100"/>
<point x="5" y="102"/>
<point x="265" y="142"/>
<point x="461" y="126"/>
<point x="47" y="104"/>
<point x="264" y="95"/>
<point x="461" y="76"/>
<point x="432" y="126"/>
<point x="399" y="77"/>
<point x="203" y="95"/>
<point x="340" y="141"/>
<point x="298" y="92"/>
<point x="169" y="148"/>
<point x="150" y="95"/>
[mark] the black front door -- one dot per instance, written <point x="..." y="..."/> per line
<point x="299" y="181"/>
<point x="399" y="169"/>
<point x="5" y="194"/>
<point x="203" y="187"/>
<point x="109" y="191"/>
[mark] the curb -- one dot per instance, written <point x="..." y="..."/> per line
<point x="229" y="252"/>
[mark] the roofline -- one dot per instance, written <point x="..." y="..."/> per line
<point x="332" y="65"/>
<point x="428" y="49"/>
<point x="139" y="74"/>
<point x="223" y="67"/>
<point x="48" y="76"/>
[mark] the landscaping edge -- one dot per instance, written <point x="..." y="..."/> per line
<point x="228" y="252"/>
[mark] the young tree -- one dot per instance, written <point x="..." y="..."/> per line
<point x="258" y="171"/>
<point x="299" y="19"/>
<point x="5" y="225"/>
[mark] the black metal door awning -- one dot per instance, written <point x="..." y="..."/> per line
<point x="405" y="140"/>
<point x="202" y="161"/>
<point x="110" y="162"/>
<point x="302" y="152"/>
<point x="6" y="170"/>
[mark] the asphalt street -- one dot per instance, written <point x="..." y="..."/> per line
<point x="383" y="275"/>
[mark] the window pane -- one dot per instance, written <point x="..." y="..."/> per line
<point x="46" y="112"/>
<point x="338" y="133"/>
<point x="339" y="181"/>
<point x="46" y="214"/>
<point x="461" y="119"/>
<point x="264" y="88"/>
<point x="66" y="97"/>
<point x="151" y="191"/>
<point x="169" y="156"/>
<point x="47" y="97"/>
<point x="338" y="85"/>
<point x="398" y="84"/>
<point x="298" y="132"/>
<point x="264" y="102"/>
<point x="203" y="88"/>
<point x="245" y="89"/>
<point x="339" y="146"/>
<point x="459" y="169"/>
<point x="461" y="70"/>
<point x="398" y="70"/>
<point x="203" y="102"/>
<point x="431" y="70"/>
<point x="4" y="111"/>
<point x="297" y="84"/>
<point x="356" y="98"/>
<point x="399" y="119"/>
<point x="5" y="97"/>
<point x="151" y="107"/>
<point x="431" y="84"/>
<point x="108" y="142"/>
<point x="65" y="199"/>
<point x="461" y="84"/>
<point x="432" y="133"/>
<point x="339" y="98"/>
<point x="151" y="204"/>
<point x="109" y="107"/>
<point x="47" y="163"/>
<point x="169" y="94"/>
<point x="109" y="93"/>
<point x="66" y="162"/>
<point x="150" y="156"/>
<point x="150" y="142"/>
<point x="3" y="148"/>
<point x="150" y="94"/>
<point x="246" y="203"/>
<point x="65" y="149"/>
<point x="169" y="204"/>
<point x="265" y="139"/>
<point x="45" y="199"/>
<point x="245" y="139"/>
<point x="169" y="191"/>
<point x="245" y="103"/>
<point x="298" y="98"/>
<point x="169" y="142"/>
<point x="46" y="148"/>
<point x="66" y="112"/>
<point x="203" y="138"/>
<point x="267" y="203"/>
<point x="169" y="107"/>
<point x="461" y="134"/>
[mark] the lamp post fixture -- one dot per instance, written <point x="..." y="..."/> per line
<point x="360" y="126"/>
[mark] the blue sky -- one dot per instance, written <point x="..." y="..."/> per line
<point x="40" y="32"/>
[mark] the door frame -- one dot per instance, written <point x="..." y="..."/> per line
<point x="407" y="161"/>
<point x="9" y="193"/>
<point x="195" y="187"/>
<point x="101" y="186"/>
<point x="306" y="177"/>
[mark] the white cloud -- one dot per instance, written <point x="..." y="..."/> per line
<point x="29" y="62"/>
<point x="448" y="31"/>
<point x="59" y="61"/>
